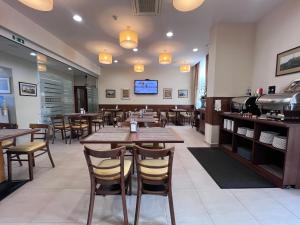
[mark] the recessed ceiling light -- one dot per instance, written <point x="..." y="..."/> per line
<point x="195" y="49"/>
<point x="116" y="61"/>
<point x="170" y="34"/>
<point x="135" y="49"/>
<point x="70" y="68"/>
<point x="77" y="18"/>
<point x="33" y="54"/>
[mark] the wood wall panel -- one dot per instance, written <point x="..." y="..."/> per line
<point x="132" y="107"/>
<point x="213" y="117"/>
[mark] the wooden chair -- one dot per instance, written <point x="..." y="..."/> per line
<point x="11" y="142"/>
<point x="39" y="143"/>
<point x="112" y="176"/>
<point x="107" y="117"/>
<point x="98" y="121"/>
<point x="78" y="126"/>
<point x="154" y="176"/>
<point x="59" y="126"/>
<point x="171" y="117"/>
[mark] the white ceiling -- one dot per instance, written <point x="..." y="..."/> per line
<point x="99" y="30"/>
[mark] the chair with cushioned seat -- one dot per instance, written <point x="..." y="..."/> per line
<point x="39" y="143"/>
<point x="59" y="126"/>
<point x="98" y="121"/>
<point x="112" y="176"/>
<point x="154" y="176"/>
<point x="171" y="116"/>
<point x="78" y="126"/>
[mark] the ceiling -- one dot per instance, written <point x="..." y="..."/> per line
<point x="99" y="30"/>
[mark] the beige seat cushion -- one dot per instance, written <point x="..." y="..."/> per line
<point x="97" y="121"/>
<point x="154" y="171"/>
<point x="61" y="126"/>
<point x="80" y="127"/>
<point x="112" y="162"/>
<point x="7" y="143"/>
<point x="28" y="147"/>
<point x="150" y="145"/>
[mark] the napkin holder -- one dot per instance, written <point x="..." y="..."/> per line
<point x="133" y="127"/>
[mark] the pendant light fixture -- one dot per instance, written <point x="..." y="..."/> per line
<point x="40" y="58"/>
<point x="185" y="68"/>
<point x="128" y="38"/>
<point x="105" y="58"/>
<point x="187" y="5"/>
<point x="165" y="58"/>
<point x="42" y="68"/>
<point x="41" y="5"/>
<point x="139" y="68"/>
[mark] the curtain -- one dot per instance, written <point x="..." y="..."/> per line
<point x="196" y="83"/>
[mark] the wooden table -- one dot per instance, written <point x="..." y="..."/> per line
<point x="178" y="111"/>
<point x="6" y="134"/>
<point x="116" y="136"/>
<point x="144" y="119"/>
<point x="88" y="116"/>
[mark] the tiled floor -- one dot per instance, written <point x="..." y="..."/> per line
<point x="60" y="196"/>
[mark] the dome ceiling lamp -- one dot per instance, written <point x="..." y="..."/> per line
<point x="105" y="58"/>
<point x="185" y="68"/>
<point x="41" y="5"/>
<point x="187" y="5"/>
<point x="40" y="58"/>
<point x="138" y="68"/>
<point x="165" y="58"/>
<point x="42" y="68"/>
<point x="128" y="38"/>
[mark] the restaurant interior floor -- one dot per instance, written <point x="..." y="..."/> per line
<point x="60" y="196"/>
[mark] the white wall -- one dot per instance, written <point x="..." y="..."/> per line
<point x="277" y="32"/>
<point x="230" y="59"/>
<point x="167" y="76"/>
<point x="27" y="108"/>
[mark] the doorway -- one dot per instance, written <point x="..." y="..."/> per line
<point x="81" y="100"/>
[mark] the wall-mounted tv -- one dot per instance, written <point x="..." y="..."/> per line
<point x="145" y="87"/>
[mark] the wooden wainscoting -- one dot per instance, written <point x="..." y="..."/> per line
<point x="213" y="117"/>
<point x="132" y="107"/>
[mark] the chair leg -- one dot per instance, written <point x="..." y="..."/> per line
<point x="65" y="133"/>
<point x="50" y="157"/>
<point x="124" y="203"/>
<point x="33" y="160"/>
<point x="171" y="205"/>
<point x="62" y="134"/>
<point x="138" y="204"/>
<point x="9" y="174"/>
<point x="53" y="136"/>
<point x="19" y="159"/>
<point x="30" y="166"/>
<point x="92" y="202"/>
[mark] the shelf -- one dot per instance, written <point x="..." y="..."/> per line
<point x="243" y="136"/>
<point x="228" y="131"/>
<point x="273" y="169"/>
<point x="270" y="147"/>
<point x="227" y="146"/>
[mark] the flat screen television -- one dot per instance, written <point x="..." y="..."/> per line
<point x="146" y="87"/>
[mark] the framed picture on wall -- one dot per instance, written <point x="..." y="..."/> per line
<point x="125" y="94"/>
<point x="110" y="93"/>
<point x="27" y="89"/>
<point x="4" y="85"/>
<point x="183" y="93"/>
<point x="167" y="93"/>
<point x="288" y="62"/>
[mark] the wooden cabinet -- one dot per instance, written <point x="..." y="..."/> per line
<point x="281" y="167"/>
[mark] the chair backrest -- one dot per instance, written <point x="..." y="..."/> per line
<point x="8" y="126"/>
<point x="155" y="154"/>
<point x="96" y="154"/>
<point x="58" y="120"/>
<point x="43" y="134"/>
<point x="75" y="120"/>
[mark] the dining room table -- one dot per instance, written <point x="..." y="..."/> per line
<point x="177" y="117"/>
<point x="7" y="134"/>
<point x="115" y="136"/>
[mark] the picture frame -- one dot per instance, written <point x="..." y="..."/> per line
<point x="288" y="62"/>
<point x="27" y="89"/>
<point x="183" y="93"/>
<point x="125" y="94"/>
<point x="167" y="93"/>
<point x="5" y="85"/>
<point x="110" y="93"/>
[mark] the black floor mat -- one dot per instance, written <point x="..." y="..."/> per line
<point x="6" y="188"/>
<point x="227" y="172"/>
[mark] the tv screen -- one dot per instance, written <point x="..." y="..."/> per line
<point x="146" y="87"/>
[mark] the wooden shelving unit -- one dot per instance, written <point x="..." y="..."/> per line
<point x="281" y="167"/>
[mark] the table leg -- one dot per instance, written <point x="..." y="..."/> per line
<point x="2" y="169"/>
<point x="90" y="129"/>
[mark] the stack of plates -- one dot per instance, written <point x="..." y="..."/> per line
<point x="280" y="142"/>
<point x="242" y="130"/>
<point x="267" y="137"/>
<point x="250" y="133"/>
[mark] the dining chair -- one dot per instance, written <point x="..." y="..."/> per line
<point x="107" y="117"/>
<point x="171" y="117"/>
<point x="112" y="176"/>
<point x="154" y="176"/>
<point x="10" y="142"/>
<point x="59" y="126"/>
<point x="78" y="126"/>
<point x="98" y="121"/>
<point x="39" y="143"/>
